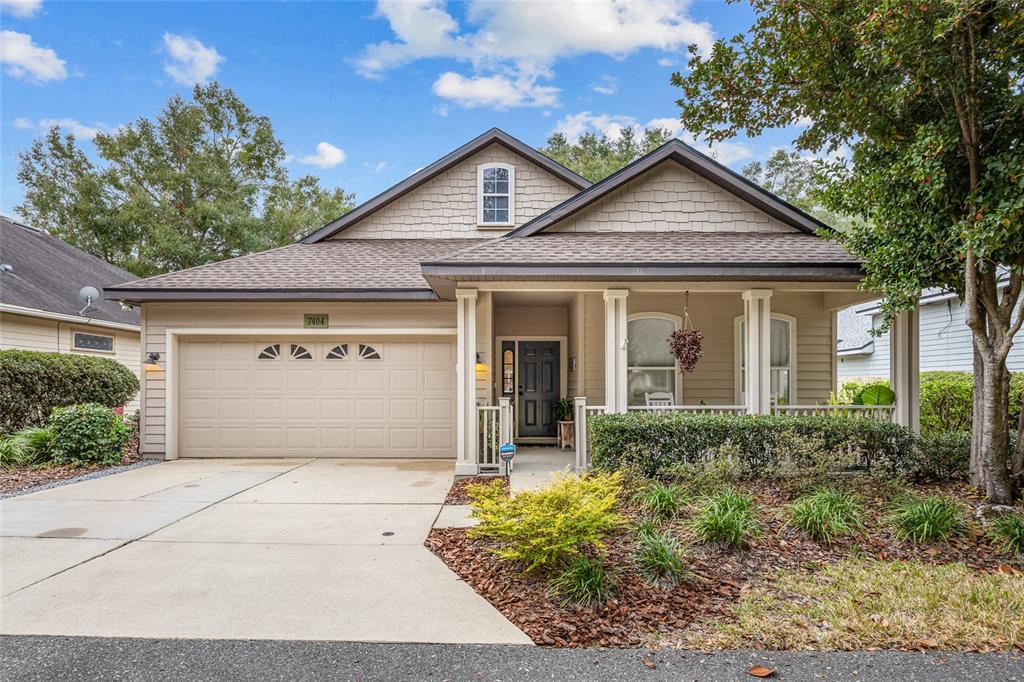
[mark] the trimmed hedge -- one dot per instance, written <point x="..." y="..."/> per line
<point x="653" y="442"/>
<point x="33" y="383"/>
<point x="947" y="400"/>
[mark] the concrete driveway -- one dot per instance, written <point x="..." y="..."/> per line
<point x="241" y="549"/>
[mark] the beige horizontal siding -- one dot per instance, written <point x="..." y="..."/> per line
<point x="446" y="205"/>
<point x="670" y="198"/>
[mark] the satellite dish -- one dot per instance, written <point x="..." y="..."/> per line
<point x="88" y="294"/>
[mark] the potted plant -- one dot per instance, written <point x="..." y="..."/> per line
<point x="563" y="410"/>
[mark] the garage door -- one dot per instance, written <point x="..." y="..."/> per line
<point x="329" y="397"/>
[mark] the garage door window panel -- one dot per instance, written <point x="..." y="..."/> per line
<point x="271" y="352"/>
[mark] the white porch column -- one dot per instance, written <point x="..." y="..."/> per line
<point x="905" y="368"/>
<point x="757" y="316"/>
<point x="615" y="349"/>
<point x="466" y="463"/>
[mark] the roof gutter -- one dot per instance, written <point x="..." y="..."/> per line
<point x="146" y="295"/>
<point x="63" y="317"/>
<point x="656" y="271"/>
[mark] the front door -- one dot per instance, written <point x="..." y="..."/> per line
<point x="538" y="388"/>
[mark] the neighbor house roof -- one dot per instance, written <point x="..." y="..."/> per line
<point x="658" y="255"/>
<point x="39" y="272"/>
<point x="492" y="136"/>
<point x="702" y="165"/>
<point x="339" y="269"/>
<point x="853" y="333"/>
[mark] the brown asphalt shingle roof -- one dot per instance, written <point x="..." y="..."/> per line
<point x="727" y="248"/>
<point x="341" y="264"/>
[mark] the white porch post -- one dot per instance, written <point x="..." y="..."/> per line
<point x="466" y="463"/>
<point x="757" y="316"/>
<point x="904" y="368"/>
<point x="582" y="448"/>
<point x="615" y="349"/>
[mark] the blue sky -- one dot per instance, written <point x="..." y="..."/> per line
<point x="362" y="94"/>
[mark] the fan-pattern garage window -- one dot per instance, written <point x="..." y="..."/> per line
<point x="272" y="352"/>
<point x="368" y="352"/>
<point x="339" y="352"/>
<point x="300" y="353"/>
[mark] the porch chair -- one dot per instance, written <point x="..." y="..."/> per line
<point x="659" y="399"/>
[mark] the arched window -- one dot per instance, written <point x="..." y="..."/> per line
<point x="782" y="375"/>
<point x="650" y="365"/>
<point x="496" y="195"/>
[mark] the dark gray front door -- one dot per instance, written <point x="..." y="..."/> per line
<point x="538" y="387"/>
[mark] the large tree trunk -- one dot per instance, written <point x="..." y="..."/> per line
<point x="998" y="485"/>
<point x="1017" y="461"/>
<point x="977" y="469"/>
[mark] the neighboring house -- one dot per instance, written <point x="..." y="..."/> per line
<point x="945" y="340"/>
<point x="495" y="273"/>
<point x="40" y="309"/>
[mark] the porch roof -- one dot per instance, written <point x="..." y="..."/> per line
<point x="658" y="255"/>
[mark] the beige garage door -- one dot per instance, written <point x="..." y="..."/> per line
<point x="322" y="397"/>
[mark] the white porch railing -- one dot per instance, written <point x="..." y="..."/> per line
<point x="692" y="409"/>
<point x="881" y="413"/>
<point x="495" y="429"/>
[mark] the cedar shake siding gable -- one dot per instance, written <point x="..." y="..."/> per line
<point x="440" y="201"/>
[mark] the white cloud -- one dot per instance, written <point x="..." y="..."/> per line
<point x="666" y="61"/>
<point x="23" y="59"/>
<point x="513" y="41"/>
<point x="327" y="156"/>
<point x="606" y="85"/>
<point x="575" y="125"/>
<point x="441" y="110"/>
<point x="23" y="9"/>
<point x="378" y="167"/>
<point x="190" y="62"/>
<point x="498" y="91"/>
<point x="68" y="125"/>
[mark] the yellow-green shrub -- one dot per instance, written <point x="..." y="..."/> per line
<point x="548" y="527"/>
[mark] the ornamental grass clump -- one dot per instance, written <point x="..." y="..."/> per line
<point x="662" y="500"/>
<point x="550" y="527"/>
<point x="727" y="517"/>
<point x="586" y="581"/>
<point x="1008" y="531"/>
<point x="660" y="559"/>
<point x="27" y="447"/>
<point x="925" y="519"/>
<point x="826" y="514"/>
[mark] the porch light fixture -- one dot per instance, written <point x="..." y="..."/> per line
<point x="151" y="361"/>
<point x="481" y="367"/>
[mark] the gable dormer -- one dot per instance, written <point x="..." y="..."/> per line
<point x="485" y="188"/>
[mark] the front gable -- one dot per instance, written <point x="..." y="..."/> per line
<point x="670" y="198"/>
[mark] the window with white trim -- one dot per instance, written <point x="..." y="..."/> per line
<point x="650" y="365"/>
<point x="783" y="355"/>
<point x="93" y="342"/>
<point x="496" y="195"/>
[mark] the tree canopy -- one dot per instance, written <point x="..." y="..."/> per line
<point x="596" y="157"/>
<point x="203" y="181"/>
<point x="797" y="179"/>
<point x="928" y="98"/>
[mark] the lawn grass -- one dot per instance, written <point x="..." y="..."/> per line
<point x="863" y="604"/>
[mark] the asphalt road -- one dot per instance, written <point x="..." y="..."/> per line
<point x="55" y="659"/>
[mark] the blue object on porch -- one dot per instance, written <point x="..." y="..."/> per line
<point x="507" y="451"/>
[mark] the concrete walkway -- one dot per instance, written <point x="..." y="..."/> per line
<point x="239" y="549"/>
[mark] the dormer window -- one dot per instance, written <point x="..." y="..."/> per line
<point x="495" y="195"/>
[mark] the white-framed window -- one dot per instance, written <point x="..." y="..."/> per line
<point x="496" y="189"/>
<point x="650" y="365"/>
<point x="89" y="341"/>
<point x="782" y="375"/>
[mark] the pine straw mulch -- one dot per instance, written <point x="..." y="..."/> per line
<point x="718" y="576"/>
<point x="22" y="478"/>
<point x="458" y="493"/>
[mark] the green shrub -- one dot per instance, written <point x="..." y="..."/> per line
<point x="586" y="581"/>
<point x="662" y="500"/>
<point x="551" y="526"/>
<point x="660" y="558"/>
<point x="723" y="466"/>
<point x="941" y="456"/>
<point x="656" y="442"/>
<point x="947" y="400"/>
<point x="1008" y="530"/>
<point x="87" y="434"/>
<point x="33" y="383"/>
<point x="726" y="517"/>
<point x="925" y="519"/>
<point x="826" y="514"/>
<point x="26" y="447"/>
<point x="806" y="461"/>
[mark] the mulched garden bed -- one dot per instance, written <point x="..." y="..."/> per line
<point x="23" y="478"/>
<point x="457" y="494"/>
<point x="718" y="576"/>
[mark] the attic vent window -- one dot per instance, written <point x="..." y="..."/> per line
<point x="496" y="195"/>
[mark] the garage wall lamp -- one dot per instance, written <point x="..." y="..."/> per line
<point x="151" y="361"/>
